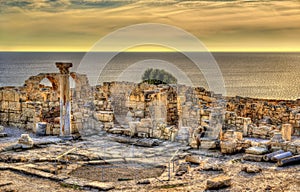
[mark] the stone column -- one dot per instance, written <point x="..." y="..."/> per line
<point x="65" y="104"/>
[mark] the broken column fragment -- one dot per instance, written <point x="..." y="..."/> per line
<point x="289" y="160"/>
<point x="286" y="132"/>
<point x="65" y="104"/>
<point x="268" y="157"/>
<point x="282" y="156"/>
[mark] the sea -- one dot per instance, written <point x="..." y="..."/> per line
<point x="258" y="75"/>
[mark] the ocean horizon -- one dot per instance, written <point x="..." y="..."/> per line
<point x="269" y="75"/>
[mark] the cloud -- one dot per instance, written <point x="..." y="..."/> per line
<point x="221" y="25"/>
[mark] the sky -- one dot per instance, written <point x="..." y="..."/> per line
<point x="221" y="25"/>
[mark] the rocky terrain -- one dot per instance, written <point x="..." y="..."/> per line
<point x="100" y="162"/>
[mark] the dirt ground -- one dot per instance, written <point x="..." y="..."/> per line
<point x="18" y="182"/>
<point x="118" y="172"/>
<point x="32" y="169"/>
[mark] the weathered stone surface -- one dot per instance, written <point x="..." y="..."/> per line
<point x="193" y="159"/>
<point x="286" y="132"/>
<point x="289" y="160"/>
<point x="228" y="147"/>
<point x="252" y="157"/>
<point x="25" y="139"/>
<point x="257" y="150"/>
<point x="268" y="157"/>
<point x="211" y="167"/>
<point x="251" y="169"/>
<point x="182" y="169"/>
<point x="218" y="182"/>
<point x="282" y="156"/>
<point x="41" y="128"/>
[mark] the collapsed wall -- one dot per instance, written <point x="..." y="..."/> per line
<point x="161" y="111"/>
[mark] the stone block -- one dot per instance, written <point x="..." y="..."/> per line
<point x="56" y="131"/>
<point x="228" y="147"/>
<point x="238" y="135"/>
<point x="105" y="116"/>
<point x="3" y="117"/>
<point x="41" y="128"/>
<point x="14" y="106"/>
<point x="257" y="150"/>
<point x="14" y="117"/>
<point x="30" y="126"/>
<point x="208" y="144"/>
<point x="25" y="139"/>
<point x="8" y="95"/>
<point x="247" y="122"/>
<point x="78" y="115"/>
<point x="218" y="182"/>
<point x="286" y="131"/>
<point x="252" y="157"/>
<point x="4" y="106"/>
<point x="17" y="97"/>
<point x="146" y="123"/>
<point x="49" y="129"/>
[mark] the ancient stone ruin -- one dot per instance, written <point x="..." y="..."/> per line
<point x="173" y="126"/>
<point x="169" y="112"/>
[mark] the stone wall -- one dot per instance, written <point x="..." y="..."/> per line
<point x="34" y="102"/>
<point x="116" y="104"/>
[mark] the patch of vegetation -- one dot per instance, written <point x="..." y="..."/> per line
<point x="158" y="76"/>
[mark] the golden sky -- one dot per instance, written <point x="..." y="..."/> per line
<point x="76" y="25"/>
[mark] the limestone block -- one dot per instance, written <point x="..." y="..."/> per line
<point x="8" y="95"/>
<point x="29" y="126"/>
<point x="4" y="106"/>
<point x="218" y="182"/>
<point x="15" y="106"/>
<point x="14" y="117"/>
<point x="147" y="123"/>
<point x="238" y="135"/>
<point x="3" y="117"/>
<point x="56" y="131"/>
<point x="208" y="144"/>
<point x="17" y="97"/>
<point x="228" y="147"/>
<point x="23" y="97"/>
<point x="286" y="132"/>
<point x="25" y="139"/>
<point x="105" y="116"/>
<point x="49" y="129"/>
<point x="247" y="122"/>
<point x="257" y="150"/>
